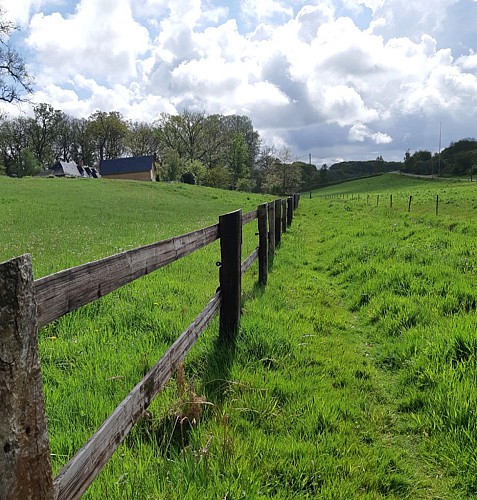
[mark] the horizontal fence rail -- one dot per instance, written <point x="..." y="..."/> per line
<point x="65" y="291"/>
<point x="73" y="480"/>
<point x="27" y="304"/>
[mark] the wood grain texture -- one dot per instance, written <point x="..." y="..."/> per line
<point x="79" y="473"/>
<point x="230" y="229"/>
<point x="25" y="451"/>
<point x="246" y="264"/>
<point x="249" y="217"/>
<point x="262" y="244"/>
<point x="271" y="231"/>
<point x="65" y="291"/>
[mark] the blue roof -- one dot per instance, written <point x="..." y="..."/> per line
<point x="126" y="165"/>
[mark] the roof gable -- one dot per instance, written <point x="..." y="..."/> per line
<point x="66" y="168"/>
<point x="126" y="165"/>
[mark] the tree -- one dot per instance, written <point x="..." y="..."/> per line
<point x="283" y="177"/>
<point x="238" y="158"/>
<point x="64" y="139"/>
<point x="13" y="143"/>
<point x="43" y="130"/>
<point x="141" y="139"/>
<point x="109" y="131"/>
<point x="324" y="174"/>
<point x="83" y="147"/>
<point x="14" y="79"/>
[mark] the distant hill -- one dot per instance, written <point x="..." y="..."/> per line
<point x="347" y="170"/>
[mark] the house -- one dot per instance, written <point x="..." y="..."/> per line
<point x="139" y="168"/>
<point x="70" y="169"/>
<point x="66" y="169"/>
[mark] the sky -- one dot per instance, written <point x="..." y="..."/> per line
<point x="337" y="79"/>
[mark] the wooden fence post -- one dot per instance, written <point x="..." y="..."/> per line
<point x="437" y="204"/>
<point x="284" y="216"/>
<point x="289" y="210"/>
<point x="262" y="244"/>
<point x="278" y="222"/>
<point x="25" y="451"/>
<point x="230" y="231"/>
<point x="390" y="201"/>
<point x="271" y="230"/>
<point x="409" y="205"/>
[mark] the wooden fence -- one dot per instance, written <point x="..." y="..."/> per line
<point x="27" y="304"/>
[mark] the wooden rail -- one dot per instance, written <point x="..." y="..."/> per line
<point x="65" y="291"/>
<point x="26" y="305"/>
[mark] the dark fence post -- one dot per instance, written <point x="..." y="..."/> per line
<point x="289" y="210"/>
<point x="390" y="201"/>
<point x="284" y="216"/>
<point x="437" y="204"/>
<point x="409" y="205"/>
<point x="271" y="230"/>
<point x="230" y="231"/>
<point x="262" y="244"/>
<point x="278" y="222"/>
<point x="25" y="451"/>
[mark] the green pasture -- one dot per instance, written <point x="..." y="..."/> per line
<point x="353" y="374"/>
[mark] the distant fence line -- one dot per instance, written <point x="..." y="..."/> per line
<point x="370" y="199"/>
<point x="27" y="304"/>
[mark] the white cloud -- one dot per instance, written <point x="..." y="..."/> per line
<point x="302" y="73"/>
<point x="359" y="132"/>
<point x="101" y="38"/>
<point x="19" y="11"/>
<point x="264" y="10"/>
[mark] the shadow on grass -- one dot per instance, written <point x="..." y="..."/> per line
<point x="221" y="357"/>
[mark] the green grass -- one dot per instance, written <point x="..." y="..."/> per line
<point x="353" y="374"/>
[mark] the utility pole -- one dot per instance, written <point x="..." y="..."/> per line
<point x="310" y="176"/>
<point x="439" y="168"/>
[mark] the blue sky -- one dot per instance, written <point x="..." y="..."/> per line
<point x="340" y="79"/>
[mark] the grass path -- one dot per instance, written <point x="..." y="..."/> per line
<point x="353" y="375"/>
<point x="300" y="407"/>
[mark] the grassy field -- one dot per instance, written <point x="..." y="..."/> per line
<point x="353" y="376"/>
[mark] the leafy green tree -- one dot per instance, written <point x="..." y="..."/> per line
<point x="109" y="132"/>
<point x="324" y="174"/>
<point x="83" y="147"/>
<point x="218" y="177"/>
<point x="64" y="139"/>
<point x="141" y="139"/>
<point x="44" y="128"/>
<point x="283" y="177"/>
<point x="238" y="158"/>
<point x="13" y="141"/>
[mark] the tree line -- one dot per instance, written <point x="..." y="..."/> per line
<point x="459" y="158"/>
<point x="223" y="151"/>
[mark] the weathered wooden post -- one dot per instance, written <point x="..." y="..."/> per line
<point x="278" y="222"/>
<point x="230" y="231"/>
<point x="271" y="231"/>
<point x="262" y="244"/>
<point x="25" y="451"/>
<point x="409" y="205"/>
<point x="284" y="216"/>
<point x="289" y="210"/>
<point x="390" y="201"/>
<point x="437" y="204"/>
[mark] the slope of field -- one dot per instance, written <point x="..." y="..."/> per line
<point x="353" y="375"/>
